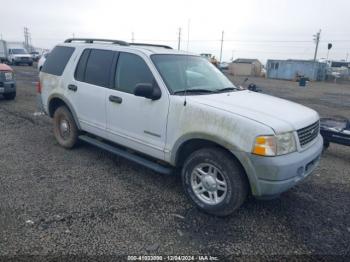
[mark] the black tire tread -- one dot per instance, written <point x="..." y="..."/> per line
<point x="63" y="110"/>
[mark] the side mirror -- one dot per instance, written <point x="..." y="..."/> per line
<point x="146" y="90"/>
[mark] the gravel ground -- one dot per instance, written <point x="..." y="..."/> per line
<point x="88" y="202"/>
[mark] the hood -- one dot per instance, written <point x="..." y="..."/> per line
<point x="279" y="114"/>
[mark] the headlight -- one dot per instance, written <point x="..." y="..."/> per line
<point x="274" y="145"/>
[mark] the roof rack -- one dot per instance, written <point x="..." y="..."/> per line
<point x="143" y="44"/>
<point x="118" y="42"/>
<point x="92" y="40"/>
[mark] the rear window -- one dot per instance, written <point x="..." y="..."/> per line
<point x="57" y="60"/>
<point x="98" y="67"/>
<point x="94" y="67"/>
<point x="80" y="70"/>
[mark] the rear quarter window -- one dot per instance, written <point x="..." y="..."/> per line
<point x="57" y="60"/>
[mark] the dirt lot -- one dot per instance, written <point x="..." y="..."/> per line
<point x="86" y="201"/>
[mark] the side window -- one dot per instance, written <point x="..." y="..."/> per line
<point x="58" y="59"/>
<point x="80" y="70"/>
<point x="131" y="70"/>
<point x="98" y="67"/>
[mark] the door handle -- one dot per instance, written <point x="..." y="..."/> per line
<point x="73" y="87"/>
<point x="115" y="99"/>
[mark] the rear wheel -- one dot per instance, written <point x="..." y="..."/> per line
<point x="214" y="181"/>
<point x="65" y="128"/>
<point x="10" y="96"/>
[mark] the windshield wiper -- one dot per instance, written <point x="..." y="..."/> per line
<point x="197" y="90"/>
<point x="226" y="89"/>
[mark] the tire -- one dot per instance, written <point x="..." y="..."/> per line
<point x="229" y="171"/>
<point x="65" y="128"/>
<point x="10" y="96"/>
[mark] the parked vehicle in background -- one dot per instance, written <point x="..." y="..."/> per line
<point x="223" y="65"/>
<point x="14" y="53"/>
<point x="42" y="60"/>
<point x="18" y="56"/>
<point x="7" y="82"/>
<point x="35" y="55"/>
<point x="169" y="110"/>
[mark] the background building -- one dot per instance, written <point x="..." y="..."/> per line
<point x="292" y="69"/>
<point x="245" y="67"/>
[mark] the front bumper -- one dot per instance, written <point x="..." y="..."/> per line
<point x="270" y="176"/>
<point x="23" y="60"/>
<point x="7" y="87"/>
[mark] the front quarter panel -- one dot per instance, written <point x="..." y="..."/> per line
<point x="194" y="120"/>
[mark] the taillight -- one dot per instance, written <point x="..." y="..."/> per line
<point x="38" y="87"/>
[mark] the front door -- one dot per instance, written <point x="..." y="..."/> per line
<point x="133" y="121"/>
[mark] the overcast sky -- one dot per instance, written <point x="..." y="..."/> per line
<point x="252" y="28"/>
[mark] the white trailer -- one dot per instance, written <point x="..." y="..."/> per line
<point x="16" y="53"/>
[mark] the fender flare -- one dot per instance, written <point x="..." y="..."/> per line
<point x="236" y="152"/>
<point x="68" y="104"/>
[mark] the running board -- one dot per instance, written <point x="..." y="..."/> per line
<point x="125" y="154"/>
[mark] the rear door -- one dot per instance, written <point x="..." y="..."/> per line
<point x="87" y="90"/>
<point x="136" y="122"/>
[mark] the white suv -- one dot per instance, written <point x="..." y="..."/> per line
<point x="169" y="110"/>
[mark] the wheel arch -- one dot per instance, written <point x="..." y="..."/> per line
<point x="56" y="101"/>
<point x="186" y="145"/>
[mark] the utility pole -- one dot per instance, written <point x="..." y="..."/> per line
<point x="179" y="39"/>
<point x="26" y="34"/>
<point x="132" y="37"/>
<point x="347" y="56"/>
<point x="317" y="41"/>
<point x="222" y="42"/>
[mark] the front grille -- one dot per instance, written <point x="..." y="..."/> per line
<point x="309" y="133"/>
<point x="24" y="58"/>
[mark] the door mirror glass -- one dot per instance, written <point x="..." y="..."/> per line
<point x="147" y="90"/>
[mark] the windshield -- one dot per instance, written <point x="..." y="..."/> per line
<point x="19" y="51"/>
<point x="185" y="72"/>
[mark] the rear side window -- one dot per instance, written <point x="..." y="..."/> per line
<point x="80" y="70"/>
<point x="57" y="60"/>
<point x="131" y="70"/>
<point x="98" y="67"/>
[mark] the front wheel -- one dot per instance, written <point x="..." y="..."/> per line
<point x="214" y="181"/>
<point x="65" y="128"/>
